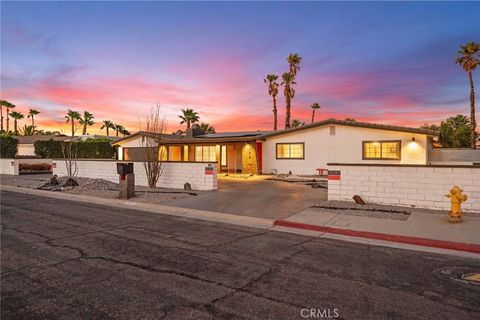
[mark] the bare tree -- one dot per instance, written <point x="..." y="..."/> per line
<point x="152" y="130"/>
<point x="70" y="155"/>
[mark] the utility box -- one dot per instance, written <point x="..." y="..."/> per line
<point x="126" y="180"/>
<point x="124" y="168"/>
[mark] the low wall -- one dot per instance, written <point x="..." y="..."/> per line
<point x="11" y="166"/>
<point x="417" y="186"/>
<point x="175" y="174"/>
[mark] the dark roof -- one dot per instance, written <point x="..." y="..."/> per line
<point x="355" y="124"/>
<point x="32" y="139"/>
<point x="255" y="135"/>
<point x="233" y="134"/>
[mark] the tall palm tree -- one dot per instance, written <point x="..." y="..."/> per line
<point x="189" y="116"/>
<point x="294" y="61"/>
<point x="271" y="80"/>
<point x="289" y="92"/>
<point x="107" y="124"/>
<point x="86" y="121"/>
<point x="297" y="123"/>
<point x="469" y="60"/>
<point x="16" y="116"/>
<point x="207" y="128"/>
<point x="31" y="114"/>
<point x="7" y="105"/>
<point x="71" y="117"/>
<point x="314" y="106"/>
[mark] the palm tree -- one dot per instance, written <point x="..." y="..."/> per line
<point x="294" y="61"/>
<point x="86" y="121"/>
<point x="7" y="105"/>
<point x="16" y="116"/>
<point x="289" y="92"/>
<point x="118" y="128"/>
<point x="314" y="106"/>
<point x="31" y="114"/>
<point x="29" y="130"/>
<point x="71" y="117"/>
<point x="124" y="131"/>
<point x="469" y="61"/>
<point x="189" y="116"/>
<point x="297" y="123"/>
<point x="273" y="91"/>
<point x="107" y="124"/>
<point x="207" y="128"/>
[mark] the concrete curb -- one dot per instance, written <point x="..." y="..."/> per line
<point x="466" y="247"/>
<point x="153" y="208"/>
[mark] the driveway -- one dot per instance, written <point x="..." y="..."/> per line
<point x="257" y="197"/>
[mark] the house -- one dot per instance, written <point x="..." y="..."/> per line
<point x="26" y="143"/>
<point x="301" y="150"/>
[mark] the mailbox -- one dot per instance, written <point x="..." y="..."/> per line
<point x="124" y="168"/>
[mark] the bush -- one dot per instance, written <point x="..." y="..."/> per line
<point x="8" y="146"/>
<point x="83" y="149"/>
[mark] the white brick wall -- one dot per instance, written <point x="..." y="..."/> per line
<point x="7" y="166"/>
<point x="175" y="174"/>
<point x="422" y="186"/>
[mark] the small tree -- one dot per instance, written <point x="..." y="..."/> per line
<point x="152" y="130"/>
<point x="69" y="152"/>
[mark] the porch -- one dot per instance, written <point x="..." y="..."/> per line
<point x="231" y="157"/>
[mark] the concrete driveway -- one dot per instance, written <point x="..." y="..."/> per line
<point x="257" y="197"/>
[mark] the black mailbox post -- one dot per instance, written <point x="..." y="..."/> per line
<point x="124" y="168"/>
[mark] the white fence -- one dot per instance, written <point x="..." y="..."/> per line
<point x="418" y="186"/>
<point x="12" y="166"/>
<point x="200" y="175"/>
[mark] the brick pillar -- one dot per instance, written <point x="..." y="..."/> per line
<point x="127" y="186"/>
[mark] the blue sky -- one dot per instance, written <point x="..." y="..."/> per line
<point x="374" y="61"/>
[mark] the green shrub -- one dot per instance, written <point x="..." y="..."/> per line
<point x="8" y="146"/>
<point x="83" y="149"/>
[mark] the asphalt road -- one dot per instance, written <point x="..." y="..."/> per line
<point x="68" y="260"/>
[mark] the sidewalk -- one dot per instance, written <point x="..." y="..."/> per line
<point x="432" y="230"/>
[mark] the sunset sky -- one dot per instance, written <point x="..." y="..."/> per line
<point x="380" y="62"/>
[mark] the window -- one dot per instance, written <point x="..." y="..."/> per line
<point x="381" y="150"/>
<point x="205" y="153"/>
<point x="290" y="151"/>
<point x="223" y="156"/>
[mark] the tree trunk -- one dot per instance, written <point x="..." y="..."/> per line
<point x="188" y="125"/>
<point x="33" y="121"/>
<point x="1" y="112"/>
<point x="107" y="132"/>
<point x="8" y="122"/>
<point x="287" y="112"/>
<point x="73" y="128"/>
<point x="84" y="132"/>
<point x="473" y="141"/>
<point x="313" y="115"/>
<point x="15" y="126"/>
<point x="116" y="134"/>
<point x="274" y="113"/>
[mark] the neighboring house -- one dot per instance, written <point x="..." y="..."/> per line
<point x="26" y="143"/>
<point x="300" y="150"/>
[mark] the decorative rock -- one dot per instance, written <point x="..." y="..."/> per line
<point x="187" y="186"/>
<point x="70" y="182"/>
<point x="53" y="180"/>
<point x="358" y="199"/>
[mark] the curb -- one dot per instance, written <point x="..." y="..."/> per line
<point x="466" y="247"/>
<point x="152" y="208"/>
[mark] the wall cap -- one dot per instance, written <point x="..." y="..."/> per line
<point x="404" y="165"/>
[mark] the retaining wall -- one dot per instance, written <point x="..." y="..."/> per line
<point x="418" y="186"/>
<point x="174" y="175"/>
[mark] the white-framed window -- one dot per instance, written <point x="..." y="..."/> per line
<point x="205" y="153"/>
<point x="291" y="150"/>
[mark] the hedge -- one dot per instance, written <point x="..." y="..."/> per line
<point x="8" y="146"/>
<point x="84" y="149"/>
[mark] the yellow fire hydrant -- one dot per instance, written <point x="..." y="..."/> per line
<point x="456" y="199"/>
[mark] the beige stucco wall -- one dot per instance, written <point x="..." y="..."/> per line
<point x="26" y="149"/>
<point x="345" y="146"/>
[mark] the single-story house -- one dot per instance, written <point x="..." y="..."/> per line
<point x="301" y="150"/>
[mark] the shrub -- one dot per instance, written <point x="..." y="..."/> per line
<point x="8" y="146"/>
<point x="83" y="149"/>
